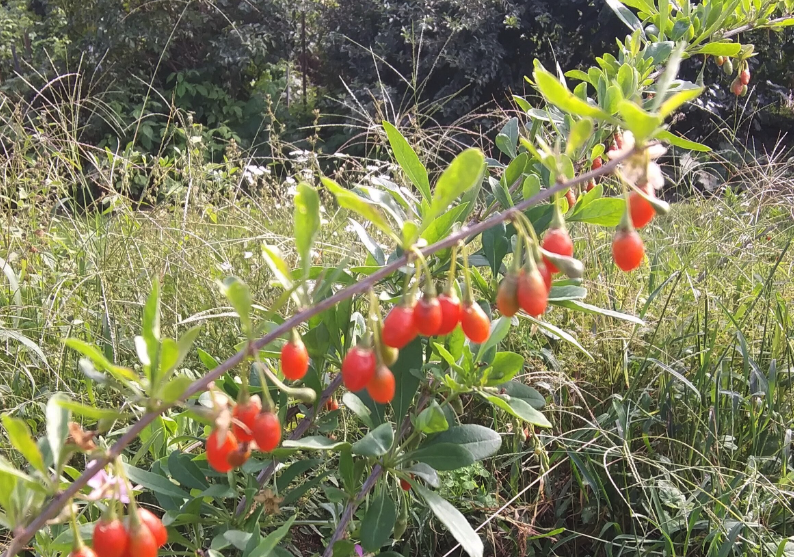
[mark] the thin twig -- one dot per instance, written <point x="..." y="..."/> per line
<point x="58" y="501"/>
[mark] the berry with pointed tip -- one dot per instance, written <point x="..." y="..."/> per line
<point x="736" y="87"/>
<point x="475" y="323"/>
<point x="405" y="484"/>
<point x="155" y="526"/>
<point x="398" y="327"/>
<point x="358" y="367"/>
<point x="381" y="387"/>
<point x="218" y="452"/>
<point x="450" y="312"/>
<point x="294" y="359"/>
<point x="110" y="538"/>
<point x="744" y="76"/>
<point x="267" y="431"/>
<point x="557" y="240"/>
<point x="627" y="250"/>
<point x="533" y="295"/>
<point x="142" y="542"/>
<point x="507" y="296"/>
<point x="641" y="210"/>
<point x="428" y="315"/>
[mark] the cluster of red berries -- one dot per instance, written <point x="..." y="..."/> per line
<point x="116" y="538"/>
<point x="249" y="424"/>
<point x="739" y="84"/>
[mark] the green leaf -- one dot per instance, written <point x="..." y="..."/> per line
<point x="507" y="139"/>
<point x="503" y="368"/>
<point x="410" y="232"/>
<point x="362" y="207"/>
<point x="89" y="411"/>
<point x="557" y="94"/>
<point x="625" y="15"/>
<point x="408" y="160"/>
<point x="499" y="330"/>
<point x="587" y="308"/>
<point x="567" y="292"/>
<point x="358" y="408"/>
<point x="480" y="441"/>
<point x="21" y="440"/>
<point x="463" y="173"/>
<point x="578" y="74"/>
<point x="184" y="470"/>
<point x="157" y="483"/>
<point x="151" y="326"/>
<point x="57" y="426"/>
<point x="580" y="133"/>
<point x="672" y="139"/>
<point x="720" y="49"/>
<point x="432" y="419"/>
<point x="556" y="331"/>
<point x="605" y="211"/>
<point x="439" y="228"/>
<point x="455" y="522"/>
<point x="518" y="408"/>
<point x="407" y="371"/>
<point x="516" y="389"/>
<point x="678" y="98"/>
<point x="641" y="123"/>
<point x="515" y="170"/>
<point x="173" y="389"/>
<point x="426" y="472"/>
<point x="315" y="443"/>
<point x="239" y="295"/>
<point x="443" y="456"/>
<point x="378" y="523"/>
<point x="98" y="359"/>
<point x="522" y="103"/>
<point x="375" y="443"/>
<point x="495" y="246"/>
<point x="270" y="542"/>
<point x="9" y="470"/>
<point x="531" y="186"/>
<point x="307" y="222"/>
<point x="612" y="99"/>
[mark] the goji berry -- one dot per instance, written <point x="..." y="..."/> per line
<point x="358" y="367"/>
<point x="110" y="538"/>
<point x="267" y="431"/>
<point x="398" y="327"/>
<point x="475" y="323"/>
<point x="627" y="249"/>
<point x="244" y="416"/>
<point x="557" y="241"/>
<point x="294" y="359"/>
<point x="533" y="295"/>
<point x="217" y="451"/>
<point x="382" y="386"/>
<point x="450" y="312"/>
<point x="428" y="315"/>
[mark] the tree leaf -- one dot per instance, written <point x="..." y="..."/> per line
<point x="464" y="172"/>
<point x="518" y="408"/>
<point x="626" y="15"/>
<point x="307" y="222"/>
<point x="499" y="330"/>
<point x="443" y="456"/>
<point x="21" y="439"/>
<point x="426" y="472"/>
<point x="432" y="419"/>
<point x="439" y="228"/>
<point x="362" y="207"/>
<point x="480" y="441"/>
<point x="57" y="426"/>
<point x="315" y="443"/>
<point x="375" y="443"/>
<point x="270" y="542"/>
<point x="408" y="160"/>
<point x="678" y="141"/>
<point x="557" y="94"/>
<point x="239" y="295"/>
<point x="452" y="518"/>
<point x="89" y="411"/>
<point x="378" y="523"/>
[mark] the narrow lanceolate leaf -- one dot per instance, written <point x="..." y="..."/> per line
<point x="239" y="295"/>
<point x="151" y="324"/>
<point x="452" y="518"/>
<point x="270" y="542"/>
<point x="408" y="160"/>
<point x="307" y="222"/>
<point x="463" y="173"/>
<point x="379" y="522"/>
<point x="57" y="426"/>
<point x="21" y="440"/>
<point x="359" y="205"/>
<point x="559" y="95"/>
<point x="519" y="409"/>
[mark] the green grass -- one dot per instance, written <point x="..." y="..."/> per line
<point x="674" y="439"/>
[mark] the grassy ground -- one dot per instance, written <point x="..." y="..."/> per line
<point x="672" y="437"/>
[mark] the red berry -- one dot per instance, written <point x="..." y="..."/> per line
<point x="744" y="76"/>
<point x="142" y="543"/>
<point x="597" y="163"/>
<point x="110" y="538"/>
<point x="84" y="551"/>
<point x="218" y="453"/>
<point x="398" y="327"/>
<point x="267" y="431"/>
<point x="507" y="296"/>
<point x="642" y="212"/>
<point x="331" y="405"/>
<point x="405" y="484"/>
<point x="557" y="241"/>
<point x="428" y="315"/>
<point x="546" y="274"/>
<point x="450" y="313"/>
<point x="736" y="87"/>
<point x="381" y="387"/>
<point x="155" y="526"/>
<point x="475" y="323"/>
<point x="619" y="140"/>
<point x="571" y="197"/>
<point x="294" y="359"/>
<point x="533" y="295"/>
<point x="358" y="367"/>
<point x="239" y="456"/>
<point x="627" y="249"/>
<point x="590" y="185"/>
<point x="245" y="414"/>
